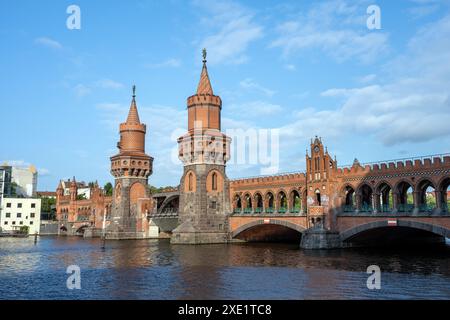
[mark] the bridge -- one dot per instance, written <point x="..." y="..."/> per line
<point x="405" y="201"/>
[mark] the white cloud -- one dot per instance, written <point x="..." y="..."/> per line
<point x="290" y="67"/>
<point x="250" y="84"/>
<point x="229" y="42"/>
<point x="47" y="42"/>
<point x="164" y="125"/>
<point x="24" y="164"/>
<point x="81" y="90"/>
<point x="367" y="78"/>
<point x="413" y="106"/>
<point x="169" y="63"/>
<point x="249" y="109"/>
<point x="335" y="27"/>
<point x="108" y="84"/>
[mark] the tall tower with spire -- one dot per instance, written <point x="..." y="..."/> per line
<point x="204" y="186"/>
<point x="131" y="168"/>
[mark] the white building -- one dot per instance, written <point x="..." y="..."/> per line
<point x="82" y="188"/>
<point x="18" y="212"/>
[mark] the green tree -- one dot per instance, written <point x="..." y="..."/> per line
<point x="108" y="189"/>
<point x="24" y="229"/>
<point x="81" y="197"/>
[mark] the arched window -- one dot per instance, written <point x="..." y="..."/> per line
<point x="190" y="182"/>
<point x="214" y="181"/>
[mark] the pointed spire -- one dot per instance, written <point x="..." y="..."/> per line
<point x="133" y="116"/>
<point x="204" y="86"/>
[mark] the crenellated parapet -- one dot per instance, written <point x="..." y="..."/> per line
<point x="415" y="166"/>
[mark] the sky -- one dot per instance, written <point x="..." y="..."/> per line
<point x="297" y="68"/>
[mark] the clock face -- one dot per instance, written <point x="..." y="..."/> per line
<point x="316" y="149"/>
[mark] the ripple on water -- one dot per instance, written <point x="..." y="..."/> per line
<point x="156" y="270"/>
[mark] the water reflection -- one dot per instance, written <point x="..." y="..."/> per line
<point x="157" y="270"/>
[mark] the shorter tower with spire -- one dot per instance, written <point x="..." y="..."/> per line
<point x="131" y="168"/>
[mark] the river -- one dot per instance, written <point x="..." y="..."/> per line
<point x="154" y="269"/>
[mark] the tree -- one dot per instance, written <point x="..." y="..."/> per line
<point x="108" y="189"/>
<point x="81" y="196"/>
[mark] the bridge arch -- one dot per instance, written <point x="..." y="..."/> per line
<point x="384" y="196"/>
<point x="353" y="233"/>
<point x="269" y="201"/>
<point x="286" y="227"/>
<point x="426" y="193"/>
<point x="171" y="203"/>
<point x="258" y="202"/>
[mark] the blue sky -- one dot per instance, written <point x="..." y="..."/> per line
<point x="305" y="68"/>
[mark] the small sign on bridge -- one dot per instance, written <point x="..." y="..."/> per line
<point x="392" y="222"/>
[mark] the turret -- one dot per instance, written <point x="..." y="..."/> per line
<point x="73" y="190"/>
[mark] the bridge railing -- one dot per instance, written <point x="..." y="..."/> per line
<point x="401" y="210"/>
<point x="271" y="210"/>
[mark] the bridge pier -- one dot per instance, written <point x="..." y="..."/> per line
<point x="320" y="238"/>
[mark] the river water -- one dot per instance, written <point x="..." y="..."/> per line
<point x="154" y="269"/>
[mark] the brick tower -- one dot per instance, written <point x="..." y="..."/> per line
<point x="204" y="186"/>
<point x="131" y="168"/>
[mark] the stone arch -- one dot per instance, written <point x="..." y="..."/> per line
<point x="81" y="229"/>
<point x="255" y="223"/>
<point x="423" y="187"/>
<point x="258" y="201"/>
<point x="190" y="181"/>
<point x="364" y="197"/>
<point x="282" y="201"/>
<point x="295" y="200"/>
<point x="214" y="181"/>
<point x="137" y="191"/>
<point x="237" y="203"/>
<point x="247" y="203"/>
<point x="443" y="193"/>
<point x="348" y="196"/>
<point x="404" y="203"/>
<point x="384" y="196"/>
<point x="118" y="192"/>
<point x="438" y="230"/>
<point x="269" y="201"/>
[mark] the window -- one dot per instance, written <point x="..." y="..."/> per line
<point x="19" y="205"/>
<point x="8" y="215"/>
<point x="8" y="205"/>
<point x="13" y="222"/>
<point x="19" y="215"/>
<point x="213" y="205"/>
<point x="31" y="222"/>
<point x="214" y="181"/>
<point x="6" y="222"/>
<point x="32" y="215"/>
<point x="190" y="181"/>
<point x="33" y="205"/>
<point x="21" y="222"/>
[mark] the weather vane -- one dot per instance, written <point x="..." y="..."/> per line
<point x="204" y="55"/>
<point x="134" y="91"/>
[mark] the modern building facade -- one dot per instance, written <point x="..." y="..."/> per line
<point x="20" y="212"/>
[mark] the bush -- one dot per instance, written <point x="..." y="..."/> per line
<point x="24" y="229"/>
